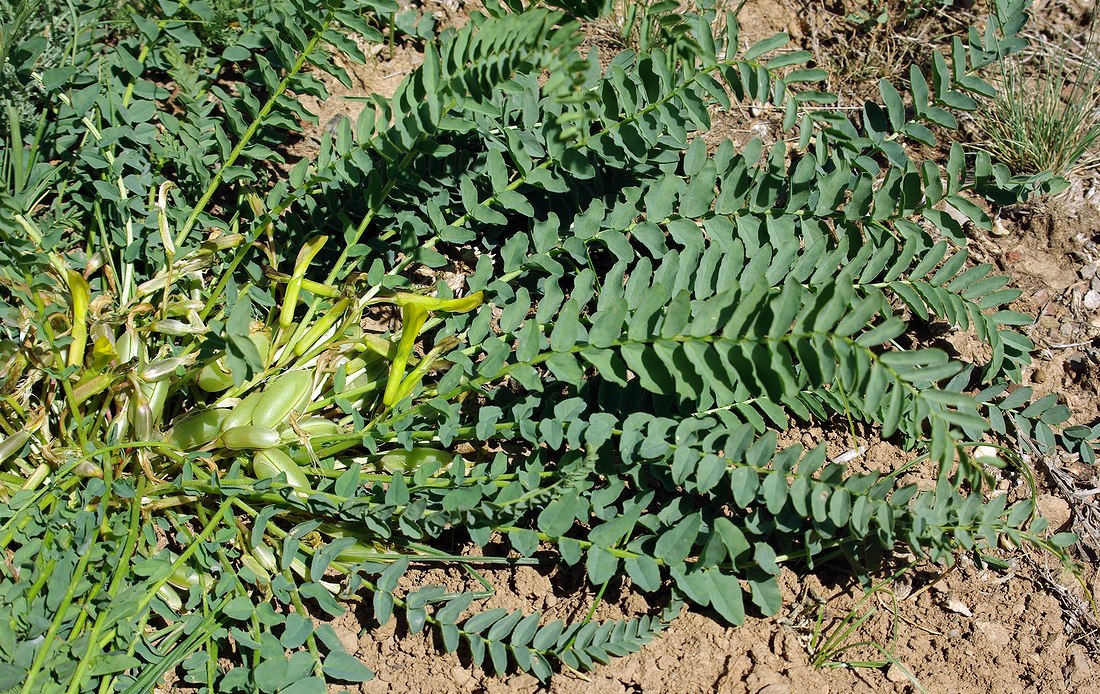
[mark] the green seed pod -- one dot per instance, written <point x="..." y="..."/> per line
<point x="272" y="463"/>
<point x="157" y="397"/>
<point x="87" y="468"/>
<point x="265" y="557"/>
<point x="241" y="415"/>
<point x="130" y="345"/>
<point x="214" y="379"/>
<point x="223" y="242"/>
<point x="262" y="574"/>
<point x="169" y="595"/>
<point x="89" y="387"/>
<point x="359" y="552"/>
<point x="321" y="327"/>
<point x="198" y="429"/>
<point x="160" y="369"/>
<point x="288" y="392"/>
<point x="185" y="577"/>
<point x="176" y="328"/>
<point x="290" y="302"/>
<point x="363" y="550"/>
<point x="319" y="426"/>
<point x="408" y="461"/>
<point x="249" y="437"/>
<point x="141" y="419"/>
<point x="13" y="444"/>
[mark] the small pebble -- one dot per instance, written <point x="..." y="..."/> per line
<point x="1066" y="329"/>
<point x="1040" y="375"/>
<point x="999" y="228"/>
<point x="1092" y="300"/>
<point x="1055" y="510"/>
<point x="996" y="634"/>
<point x="1087" y="272"/>
<point x="896" y="674"/>
<point x="958" y="607"/>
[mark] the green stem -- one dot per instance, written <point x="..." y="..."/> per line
<point x="60" y="617"/>
<point x="112" y="589"/>
<point x="251" y="132"/>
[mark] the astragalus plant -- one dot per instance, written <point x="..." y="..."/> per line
<point x="520" y="301"/>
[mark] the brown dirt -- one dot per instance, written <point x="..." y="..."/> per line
<point x="972" y="631"/>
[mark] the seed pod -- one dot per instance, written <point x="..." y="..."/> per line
<point x="13" y="444"/>
<point x="272" y="463"/>
<point x="95" y="262"/>
<point x="90" y="387"/>
<point x="241" y="415"/>
<point x="214" y="379"/>
<point x="408" y="461"/>
<point x="198" y="429"/>
<point x="265" y="557"/>
<point x="290" y="302"/>
<point x="327" y="291"/>
<point x="184" y="577"/>
<point x="413" y="317"/>
<point x="409" y="383"/>
<point x="169" y="595"/>
<point x="364" y="549"/>
<point x="317" y="288"/>
<point x="223" y="242"/>
<point x="249" y="437"/>
<point x="160" y="369"/>
<point x="359" y="552"/>
<point x="320" y="327"/>
<point x="306" y="254"/>
<point x="184" y="307"/>
<point x="87" y="468"/>
<point x="375" y="347"/>
<point x="176" y="328"/>
<point x="288" y="392"/>
<point x="162" y="220"/>
<point x="309" y="426"/>
<point x="130" y="345"/>
<point x="319" y="426"/>
<point x="141" y="419"/>
<point x="158" y="395"/>
<point x="262" y="575"/>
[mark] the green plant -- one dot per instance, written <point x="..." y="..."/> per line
<point x="205" y="442"/>
<point x="882" y="12"/>
<point x="862" y="42"/>
<point x="1045" y="115"/>
<point x="647" y="24"/>
<point x="829" y="642"/>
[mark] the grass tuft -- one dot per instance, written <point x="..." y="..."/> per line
<point x="1046" y="117"/>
